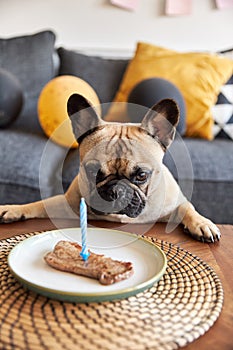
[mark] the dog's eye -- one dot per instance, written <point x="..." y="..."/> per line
<point x="141" y="176"/>
<point x="92" y="169"/>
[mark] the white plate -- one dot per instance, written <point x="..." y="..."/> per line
<point x="26" y="261"/>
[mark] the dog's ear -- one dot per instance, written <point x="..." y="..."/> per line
<point x="160" y="121"/>
<point x="82" y="115"/>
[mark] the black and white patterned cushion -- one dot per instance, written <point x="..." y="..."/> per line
<point x="223" y="109"/>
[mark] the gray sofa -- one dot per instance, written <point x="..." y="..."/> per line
<point x="204" y="169"/>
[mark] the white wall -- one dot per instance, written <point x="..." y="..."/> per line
<point x="95" y="24"/>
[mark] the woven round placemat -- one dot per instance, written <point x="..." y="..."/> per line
<point x="182" y="306"/>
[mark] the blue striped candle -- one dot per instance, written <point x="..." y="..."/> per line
<point x="83" y="224"/>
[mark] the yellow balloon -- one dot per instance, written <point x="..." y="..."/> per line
<point x="52" y="107"/>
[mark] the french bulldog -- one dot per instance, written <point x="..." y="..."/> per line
<point x="122" y="176"/>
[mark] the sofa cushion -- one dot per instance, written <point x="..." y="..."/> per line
<point x="23" y="176"/>
<point x="30" y="59"/>
<point x="204" y="171"/>
<point x="223" y="112"/>
<point x="199" y="77"/>
<point x="223" y="109"/>
<point x="210" y="161"/>
<point x="103" y="74"/>
<point x="11" y="98"/>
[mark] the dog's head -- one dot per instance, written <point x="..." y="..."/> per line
<point x="120" y="163"/>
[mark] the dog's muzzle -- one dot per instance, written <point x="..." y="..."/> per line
<point x="117" y="197"/>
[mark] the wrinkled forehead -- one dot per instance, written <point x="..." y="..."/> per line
<point x="120" y="141"/>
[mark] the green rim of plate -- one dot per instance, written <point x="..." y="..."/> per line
<point x="91" y="297"/>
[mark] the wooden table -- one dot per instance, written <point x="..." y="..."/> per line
<point x="218" y="255"/>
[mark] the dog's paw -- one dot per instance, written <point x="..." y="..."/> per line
<point x="204" y="230"/>
<point x="11" y="213"/>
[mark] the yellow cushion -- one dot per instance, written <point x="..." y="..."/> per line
<point x="199" y="77"/>
<point x="52" y="107"/>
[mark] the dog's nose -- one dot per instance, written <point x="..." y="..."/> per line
<point x="118" y="191"/>
<point x="118" y="197"/>
<point x="113" y="196"/>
